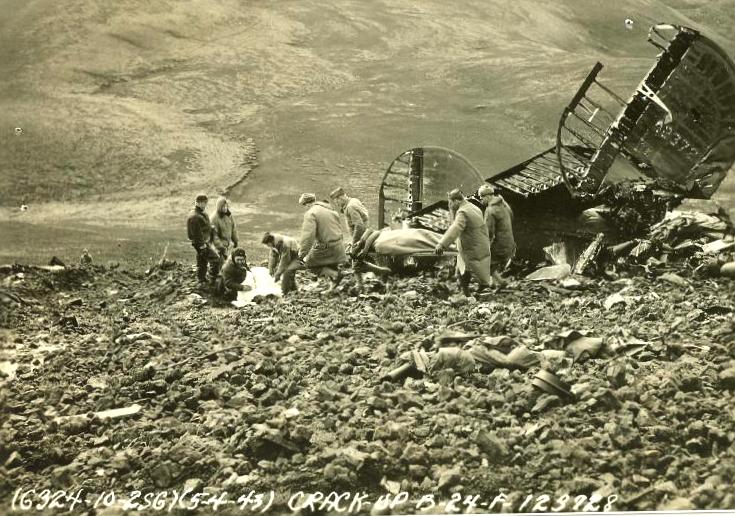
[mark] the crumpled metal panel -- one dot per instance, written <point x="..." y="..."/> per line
<point x="678" y="127"/>
<point x="688" y="137"/>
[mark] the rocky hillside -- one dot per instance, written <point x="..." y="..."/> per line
<point x="407" y="387"/>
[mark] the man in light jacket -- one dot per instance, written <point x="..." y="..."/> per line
<point x="284" y="251"/>
<point x="467" y="225"/>
<point x="223" y="227"/>
<point x="353" y="211"/>
<point x="499" y="221"/>
<point x="321" y="246"/>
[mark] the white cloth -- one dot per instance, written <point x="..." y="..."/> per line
<point x="261" y="283"/>
<point x="461" y="265"/>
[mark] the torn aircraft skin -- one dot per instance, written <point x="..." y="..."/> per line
<point x="674" y="138"/>
<point x="677" y="128"/>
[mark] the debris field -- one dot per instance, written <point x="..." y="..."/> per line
<point x="129" y="380"/>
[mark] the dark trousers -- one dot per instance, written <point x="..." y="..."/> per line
<point x="289" y="261"/>
<point x="207" y="256"/>
<point x="228" y="295"/>
<point x="288" y="281"/>
<point x="464" y="282"/>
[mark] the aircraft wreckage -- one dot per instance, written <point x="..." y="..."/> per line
<point x="674" y="138"/>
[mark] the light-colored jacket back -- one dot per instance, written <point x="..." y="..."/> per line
<point x="357" y="218"/>
<point x="223" y="226"/>
<point x="499" y="220"/>
<point x="285" y="249"/>
<point x="321" y="237"/>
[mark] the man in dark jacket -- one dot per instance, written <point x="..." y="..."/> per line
<point x="233" y="274"/>
<point x="200" y="234"/>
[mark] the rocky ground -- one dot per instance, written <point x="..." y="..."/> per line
<point x="295" y="394"/>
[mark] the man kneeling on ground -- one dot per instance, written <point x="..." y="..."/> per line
<point x="229" y="283"/>
<point x="321" y="247"/>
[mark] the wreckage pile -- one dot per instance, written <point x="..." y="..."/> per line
<point x="701" y="238"/>
<point x="645" y="230"/>
<point x="620" y="385"/>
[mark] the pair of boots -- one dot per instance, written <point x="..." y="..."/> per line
<point x="333" y="273"/>
<point x="464" y="284"/>
<point x="498" y="281"/>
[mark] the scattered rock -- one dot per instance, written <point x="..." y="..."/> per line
<point x="272" y="396"/>
<point x="448" y="478"/>
<point x="674" y="279"/>
<point x="492" y="446"/>
<point x="727" y="378"/>
<point x="677" y="504"/>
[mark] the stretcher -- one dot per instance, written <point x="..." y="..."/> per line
<point x="400" y="248"/>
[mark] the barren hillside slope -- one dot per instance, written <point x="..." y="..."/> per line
<point x="129" y="107"/>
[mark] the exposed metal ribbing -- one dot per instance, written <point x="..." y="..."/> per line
<point x="517" y="185"/>
<point x="569" y="155"/>
<point x="538" y="183"/>
<point x="598" y="106"/>
<point x="402" y="201"/>
<point x="592" y="126"/>
<point x="392" y="185"/>
<point x="510" y="186"/>
<point x="543" y="170"/>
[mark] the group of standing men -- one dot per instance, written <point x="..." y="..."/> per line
<point x="485" y="241"/>
<point x="211" y="239"/>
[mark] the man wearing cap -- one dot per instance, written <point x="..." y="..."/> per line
<point x="233" y="274"/>
<point x="353" y="210"/>
<point x="320" y="245"/>
<point x="469" y="227"/>
<point x="199" y="231"/>
<point x="499" y="222"/>
<point x="284" y="251"/>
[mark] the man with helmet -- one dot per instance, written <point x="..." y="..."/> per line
<point x="234" y="271"/>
